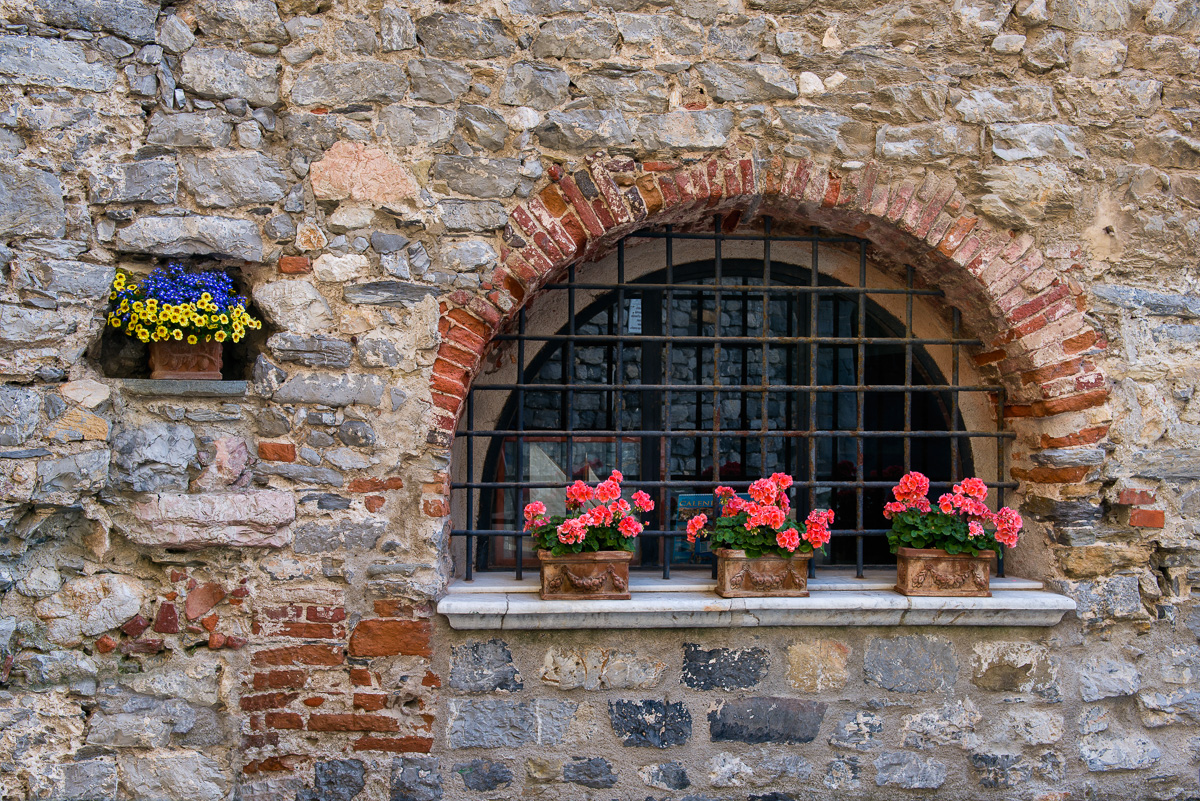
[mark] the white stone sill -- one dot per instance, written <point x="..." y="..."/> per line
<point x="498" y="601"/>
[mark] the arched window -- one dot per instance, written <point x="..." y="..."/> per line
<point x="689" y="359"/>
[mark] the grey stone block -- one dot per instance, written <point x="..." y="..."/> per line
<point x="193" y="235"/>
<point x="766" y="720"/>
<point x="38" y="61"/>
<point x="484" y="776"/>
<point x="723" y="668"/>
<point x="335" y="780"/>
<point x="149" y="180"/>
<point x="650" y="723"/>
<point x="907" y="770"/>
<point x="314" y="351"/>
<point x="218" y="74"/>
<point x="462" y="36"/>
<point x="911" y="664"/>
<point x="483" y="667"/>
<point x="31" y="200"/>
<point x="596" y="773"/>
<point x="386" y="293"/>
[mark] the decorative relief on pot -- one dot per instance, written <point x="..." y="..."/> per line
<point x="181" y="360"/>
<point x="933" y="572"/>
<point x="739" y="576"/>
<point x="601" y="575"/>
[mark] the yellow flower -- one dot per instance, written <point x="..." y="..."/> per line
<point x="219" y="336"/>
<point x="112" y="295"/>
<point x="138" y="306"/>
<point x="124" y="306"/>
<point x="143" y="337"/>
<point x="114" y="321"/>
<point x="204" y="296"/>
<point x="208" y="338"/>
<point x="191" y="339"/>
<point x="224" y="318"/>
<point x="161" y="330"/>
<point x="177" y="334"/>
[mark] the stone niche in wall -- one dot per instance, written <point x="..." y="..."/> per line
<point x="118" y="355"/>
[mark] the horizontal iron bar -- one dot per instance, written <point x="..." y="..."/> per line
<point x="682" y="483"/>
<point x="740" y="387"/>
<point x="751" y="289"/>
<point x="713" y="236"/>
<point x="841" y="532"/>
<point x="584" y="339"/>
<point x="697" y="433"/>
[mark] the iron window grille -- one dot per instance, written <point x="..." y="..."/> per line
<point x="716" y="372"/>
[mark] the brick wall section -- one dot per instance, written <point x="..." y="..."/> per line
<point x="310" y="671"/>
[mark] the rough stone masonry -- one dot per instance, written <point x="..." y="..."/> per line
<point x="227" y="591"/>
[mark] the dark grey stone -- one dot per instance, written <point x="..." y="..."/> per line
<point x="1044" y="51"/>
<point x="575" y="38"/>
<point x="415" y="779"/>
<point x="386" y="293"/>
<point x="175" y="35"/>
<point x="357" y="434"/>
<point x="129" y="19"/>
<point x="772" y="796"/>
<point x="667" y="776"/>
<point x="472" y="215"/>
<point x="539" y="86"/>
<point x="1115" y="597"/>
<point x="484" y="667"/>
<point x="383" y="242"/>
<point x="89" y="780"/>
<point x="38" y="61"/>
<point x="62" y="279"/>
<point x="583" y="130"/>
<point x="650" y="723"/>
<point x="347" y="83"/>
<point x="302" y="474"/>
<point x="501" y="723"/>
<point x="31" y="201"/>
<point x="357" y="37"/>
<point x="71" y="476"/>
<point x="484" y="125"/>
<point x="218" y="74"/>
<point x="484" y="776"/>
<point x="347" y="535"/>
<point x="478" y="177"/>
<point x="746" y="82"/>
<point x="280" y="228"/>
<point x="329" y="502"/>
<point x="331" y="390"/>
<point x="234" y="179"/>
<point x="314" y="351"/>
<point x="623" y="87"/>
<point x="396" y="29"/>
<point x="907" y="770"/>
<point x="150" y="180"/>
<point x="241" y="20"/>
<point x="461" y="36"/>
<point x="18" y="414"/>
<point x="335" y="780"/>
<point x="378" y="352"/>
<point x="193" y="235"/>
<point x="1103" y="752"/>
<point x="911" y="664"/>
<point x="407" y="126"/>
<point x="198" y="129"/>
<point x="183" y="388"/>
<point x="827" y="132"/>
<point x="723" y="668"/>
<point x="766" y="720"/>
<point x="437" y="81"/>
<point x="1001" y="770"/>
<point x="1143" y="300"/>
<point x="153" y="457"/>
<point x="23" y="327"/>
<point x="596" y="773"/>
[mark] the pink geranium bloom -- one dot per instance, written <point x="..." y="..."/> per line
<point x="616" y="476"/>
<point x="764" y="490"/>
<point x="912" y="486"/>
<point x="643" y="502"/>
<point x="973" y="487"/>
<point x="572" y="532"/>
<point x="608" y="491"/>
<point x="695" y="526"/>
<point x="789" y="539"/>
<point x="579" y="493"/>
<point x="782" y="480"/>
<point x="894" y="508"/>
<point x="620" y="507"/>
<point x="629" y="526"/>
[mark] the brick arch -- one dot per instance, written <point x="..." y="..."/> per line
<point x="1030" y="316"/>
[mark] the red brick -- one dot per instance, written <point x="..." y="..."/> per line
<point x="284" y="720"/>
<point x="259" y="740"/>
<point x="391" y="607"/>
<point x="360" y="677"/>
<point x="317" y="654"/>
<point x="1136" y="497"/>
<point x="295" y="265"/>
<point x="349" y="722"/>
<point x="376" y="484"/>
<point x="1051" y="475"/>
<point x="553" y="200"/>
<point x="136" y="626"/>
<point x="1073" y="403"/>
<point x="325" y="614"/>
<point x="265" y="701"/>
<point x="378" y="637"/>
<point x="374" y="502"/>
<point x="106" y="644"/>
<point x="277" y="451"/>
<point x="216" y="640"/>
<point x="651" y="195"/>
<point x="395" y="745"/>
<point x="470" y="322"/>
<point x="1050" y="372"/>
<point x="1147" y="518"/>
<point x="1085" y="436"/>
<point x="431" y="679"/>
<point x="1080" y="342"/>
<point x="991" y="357"/>
<point x="280" y="680"/>
<point x="435" y="508"/>
<point x="370" y="702"/>
<point x="202" y="599"/>
<point x="308" y="631"/>
<point x="313" y="702"/>
<point x="166" y="621"/>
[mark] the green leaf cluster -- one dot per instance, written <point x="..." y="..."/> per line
<point x="730" y="532"/>
<point x="599" y="538"/>
<point x="913" y="528"/>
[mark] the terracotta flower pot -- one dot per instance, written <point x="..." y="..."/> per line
<point x="181" y="360"/>
<point x="599" y="575"/>
<point x="933" y="572"/>
<point x="739" y="576"/>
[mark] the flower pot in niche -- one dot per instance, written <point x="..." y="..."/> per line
<point x="933" y="572"/>
<point x="596" y="575"/>
<point x="181" y="360"/>
<point x="740" y="576"/>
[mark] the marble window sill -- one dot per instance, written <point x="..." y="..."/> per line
<point x="499" y="601"/>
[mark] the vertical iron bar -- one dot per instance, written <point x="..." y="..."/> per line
<point x="667" y="547"/>
<point x="716" y="441"/>
<point x="814" y="281"/>
<point x="520" y="459"/>
<point x="955" y="473"/>
<point x="470" y="491"/>
<point x="766" y="353"/>
<point x="1000" y="472"/>
<point x="860" y="422"/>
<point x="908" y="367"/>
<point x="619" y="406"/>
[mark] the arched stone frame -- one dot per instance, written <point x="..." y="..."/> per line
<point x="1031" y="317"/>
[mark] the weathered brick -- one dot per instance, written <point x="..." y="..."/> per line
<point x="378" y="637"/>
<point x="1147" y="518"/>
<point x="395" y="745"/>
<point x="277" y="451"/>
<point x="352" y="722"/>
<point x="319" y="655"/>
<point x="1136" y="497"/>
<point x="259" y="703"/>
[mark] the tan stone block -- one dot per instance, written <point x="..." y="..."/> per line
<point x="818" y="665"/>
<point x="1090" y="561"/>
<point x="77" y="424"/>
<point x="352" y="171"/>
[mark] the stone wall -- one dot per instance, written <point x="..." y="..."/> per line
<point x="227" y="591"/>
